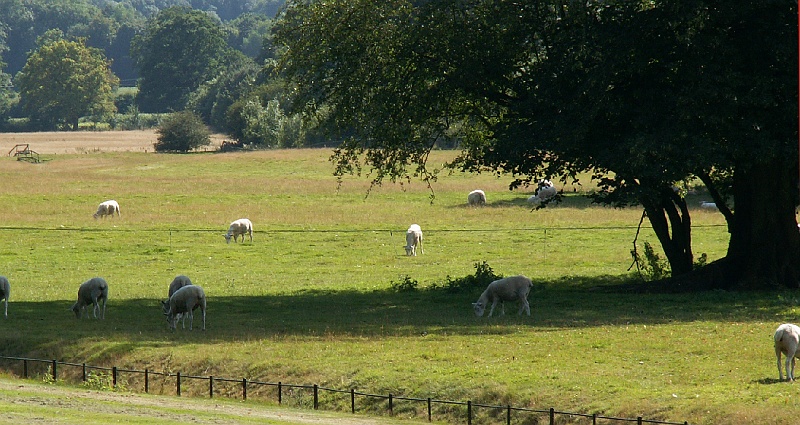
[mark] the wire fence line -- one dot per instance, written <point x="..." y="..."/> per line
<point x="507" y="412"/>
<point x="377" y="230"/>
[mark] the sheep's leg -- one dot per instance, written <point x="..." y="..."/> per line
<point x="204" y="318"/>
<point x="6" y="303"/>
<point x="491" y="310"/>
<point x="524" y="306"/>
<point x="791" y="374"/>
<point x="191" y="318"/>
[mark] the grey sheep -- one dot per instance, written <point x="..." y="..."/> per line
<point x="5" y="290"/>
<point x="91" y="292"/>
<point x="508" y="289"/>
<point x="185" y="301"/>
<point x="179" y="282"/>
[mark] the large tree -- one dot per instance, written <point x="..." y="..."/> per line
<point x="65" y="80"/>
<point x="178" y="51"/>
<point x="642" y="93"/>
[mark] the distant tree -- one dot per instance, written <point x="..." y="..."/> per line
<point x="178" y="51"/>
<point x="213" y="98"/>
<point x="64" y="80"/>
<point x="182" y="132"/>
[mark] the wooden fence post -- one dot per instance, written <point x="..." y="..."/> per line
<point x="429" y="409"/>
<point x="244" y="389"/>
<point x="552" y="416"/>
<point x="210" y="387"/>
<point x="114" y="377"/>
<point x="508" y="415"/>
<point x="391" y="407"/>
<point x="352" y="400"/>
<point x="469" y="412"/>
<point x="179" y="384"/>
<point x="316" y="397"/>
<point x="25" y="368"/>
<point x="280" y="398"/>
<point x="84" y="372"/>
<point x="146" y="381"/>
<point x="55" y="375"/>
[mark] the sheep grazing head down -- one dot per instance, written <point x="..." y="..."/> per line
<point x="514" y="288"/>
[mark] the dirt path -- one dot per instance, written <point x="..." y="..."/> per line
<point x="71" y="142"/>
<point x="28" y="402"/>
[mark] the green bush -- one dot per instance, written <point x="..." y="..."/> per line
<point x="182" y="132"/>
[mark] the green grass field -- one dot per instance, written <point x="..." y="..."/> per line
<point x="312" y="300"/>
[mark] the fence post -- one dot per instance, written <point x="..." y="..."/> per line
<point x="552" y="416"/>
<point x="391" y="406"/>
<point x="84" y="372"/>
<point x="179" y="384"/>
<point x="316" y="397"/>
<point x="279" y="393"/>
<point x="469" y="412"/>
<point x="508" y="415"/>
<point x="210" y="387"/>
<point x="429" y="409"/>
<point x="146" y="381"/>
<point x="594" y="419"/>
<point x="639" y="420"/>
<point x="244" y="389"/>
<point x="114" y="377"/>
<point x="55" y="376"/>
<point x="25" y="368"/>
<point x="352" y="400"/>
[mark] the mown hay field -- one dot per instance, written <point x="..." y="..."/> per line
<point x="314" y="299"/>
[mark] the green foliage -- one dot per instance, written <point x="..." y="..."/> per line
<point x="103" y="381"/>
<point x="650" y="266"/>
<point x="171" y="71"/>
<point x="182" y="132"/>
<point x="484" y="275"/>
<point x="407" y="284"/>
<point x="65" y="80"/>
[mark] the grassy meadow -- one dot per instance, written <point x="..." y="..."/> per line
<point x="313" y="299"/>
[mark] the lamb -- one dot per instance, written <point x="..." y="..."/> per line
<point x="179" y="282"/>
<point x="414" y="240"/>
<point x="93" y="291"/>
<point x="507" y="289"/>
<point x="787" y="337"/>
<point x="241" y="226"/>
<point x="185" y="301"/>
<point x="107" y="208"/>
<point x="5" y="291"/>
<point x="544" y="191"/>
<point x="476" y="197"/>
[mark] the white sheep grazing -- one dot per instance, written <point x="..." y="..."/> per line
<point x="414" y="240"/>
<point x="179" y="282"/>
<point x="506" y="289"/>
<point x="242" y="227"/>
<point x="185" y="301"/>
<point x="91" y="292"/>
<point x="787" y="337"/>
<point x="5" y="291"/>
<point x="476" y="197"/>
<point x="708" y="205"/>
<point x="107" y="208"/>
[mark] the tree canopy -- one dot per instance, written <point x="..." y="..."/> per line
<point x="644" y="94"/>
<point x="64" y="80"/>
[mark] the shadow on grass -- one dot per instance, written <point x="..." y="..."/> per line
<point x="378" y="314"/>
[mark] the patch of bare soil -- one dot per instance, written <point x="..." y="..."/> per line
<point x="71" y="142"/>
<point x="141" y="407"/>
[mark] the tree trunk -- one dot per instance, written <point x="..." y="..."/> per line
<point x="671" y="212"/>
<point x="764" y="248"/>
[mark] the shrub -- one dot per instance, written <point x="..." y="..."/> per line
<point x="483" y="276"/>
<point x="182" y="132"/>
<point x="406" y="285"/>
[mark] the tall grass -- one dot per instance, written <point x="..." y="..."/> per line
<point x="313" y="299"/>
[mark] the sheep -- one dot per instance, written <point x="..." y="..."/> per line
<point x="786" y="338"/>
<point x="506" y="289"/>
<point x="241" y="226"/>
<point x="414" y="240"/>
<point x="708" y="205"/>
<point x="185" y="301"/>
<point x="5" y="291"/>
<point x="93" y="291"/>
<point x="179" y="282"/>
<point x="107" y="208"/>
<point x="476" y="197"/>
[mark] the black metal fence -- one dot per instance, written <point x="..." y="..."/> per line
<point x="50" y="369"/>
